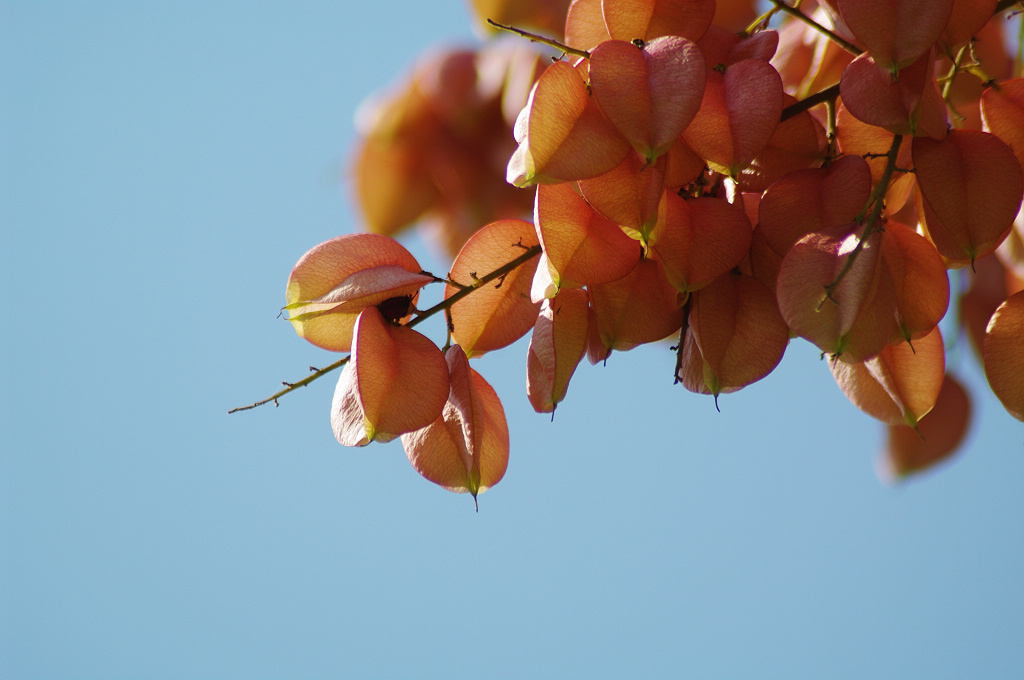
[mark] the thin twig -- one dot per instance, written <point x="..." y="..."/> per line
<point x="533" y="37"/>
<point x="291" y="387"/>
<point x="682" y="338"/>
<point x="458" y="295"/>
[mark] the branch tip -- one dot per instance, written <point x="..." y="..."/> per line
<point x="533" y="37"/>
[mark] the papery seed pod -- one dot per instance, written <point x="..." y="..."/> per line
<point x="396" y="381"/>
<point x="466" y="448"/>
<point x="332" y="283"/>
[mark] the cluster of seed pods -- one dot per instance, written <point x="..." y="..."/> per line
<point x="684" y="184"/>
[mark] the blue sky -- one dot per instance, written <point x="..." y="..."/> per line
<point x="162" y="166"/>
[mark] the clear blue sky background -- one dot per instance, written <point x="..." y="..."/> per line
<point x="163" y="166"/>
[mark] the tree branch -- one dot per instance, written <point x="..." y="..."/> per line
<point x="533" y="37"/>
<point x="828" y="93"/>
<point x="500" y="272"/>
<point x="291" y="387"/>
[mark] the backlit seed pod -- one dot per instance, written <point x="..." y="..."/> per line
<point x="640" y="307"/>
<point x="466" y="448"/>
<point x="1003" y="353"/>
<point x="736" y="15"/>
<point x="436" y="149"/>
<point x="797" y="143"/>
<point x="969" y="189"/>
<point x="858" y="318"/>
<point x="804" y="202"/>
<point x="900" y="385"/>
<point x="562" y="133"/>
<point x="395" y="382"/>
<point x="591" y="22"/>
<point x="650" y="94"/>
<point x="735" y="336"/>
<point x="1002" y="110"/>
<point x="392" y="189"/>
<point x="722" y="47"/>
<point x="332" y="283"/>
<point x="648" y="19"/>
<point x="919" y="279"/>
<point x="699" y="240"/>
<point x="737" y="116"/>
<point x="872" y="144"/>
<point x="557" y="345"/>
<point x="967" y="18"/>
<point x="682" y="166"/>
<point x="544" y="284"/>
<point x="988" y="49"/>
<point x="597" y="351"/>
<point x="938" y="434"/>
<point x="909" y="104"/>
<point x="631" y="194"/>
<point x="990" y="284"/>
<point x="808" y="60"/>
<point x="582" y="246"/>
<point x="584" y="25"/>
<point x="896" y="32"/>
<point x="500" y="312"/>
<point x="1011" y="251"/>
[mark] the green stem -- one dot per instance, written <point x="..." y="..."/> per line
<point x="422" y="316"/>
<point x="291" y="387"/>
<point x="875" y="203"/>
<point x="1019" y="58"/>
<point x="759" y="22"/>
<point x="949" y="78"/>
<point x="947" y="85"/>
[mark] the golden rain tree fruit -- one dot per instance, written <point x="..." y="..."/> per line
<point x="395" y="382"/>
<point x="466" y="447"/>
<point x="332" y="283"/>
